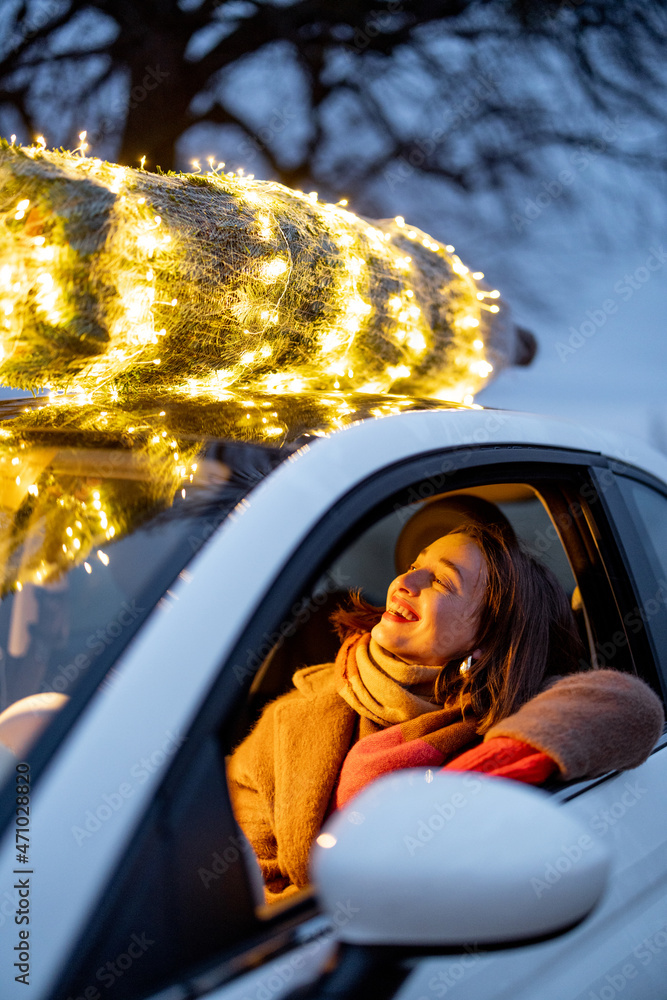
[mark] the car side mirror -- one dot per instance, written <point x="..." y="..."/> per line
<point x="442" y="860"/>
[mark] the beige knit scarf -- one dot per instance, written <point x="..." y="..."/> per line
<point x="381" y="687"/>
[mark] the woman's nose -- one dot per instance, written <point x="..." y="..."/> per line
<point x="412" y="580"/>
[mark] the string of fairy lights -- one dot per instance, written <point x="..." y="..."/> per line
<point x="117" y="284"/>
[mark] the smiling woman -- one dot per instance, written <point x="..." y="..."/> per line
<point x="473" y="664"/>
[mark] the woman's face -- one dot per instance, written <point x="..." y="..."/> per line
<point x="433" y="610"/>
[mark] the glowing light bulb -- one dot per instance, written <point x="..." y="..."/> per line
<point x="272" y="270"/>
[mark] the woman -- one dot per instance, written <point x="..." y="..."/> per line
<point x="472" y="666"/>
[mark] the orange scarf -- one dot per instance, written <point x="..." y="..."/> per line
<point x="380" y="686"/>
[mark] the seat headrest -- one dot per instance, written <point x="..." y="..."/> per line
<point x="440" y="516"/>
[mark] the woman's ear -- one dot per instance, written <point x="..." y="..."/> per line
<point x="469" y="660"/>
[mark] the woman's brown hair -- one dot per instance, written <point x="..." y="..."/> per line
<point x="527" y="632"/>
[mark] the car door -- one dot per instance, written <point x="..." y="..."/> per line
<point x="163" y="895"/>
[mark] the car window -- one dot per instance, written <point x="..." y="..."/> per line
<point x="648" y="510"/>
<point x="366" y="566"/>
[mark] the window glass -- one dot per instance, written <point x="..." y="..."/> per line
<point x="649" y="510"/>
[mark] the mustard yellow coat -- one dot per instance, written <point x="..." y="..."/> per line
<point x="282" y="776"/>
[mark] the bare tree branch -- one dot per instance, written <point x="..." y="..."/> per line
<point x="591" y="59"/>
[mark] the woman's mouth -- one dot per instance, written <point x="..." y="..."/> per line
<point x="397" y="611"/>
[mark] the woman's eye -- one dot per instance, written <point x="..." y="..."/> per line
<point x="446" y="583"/>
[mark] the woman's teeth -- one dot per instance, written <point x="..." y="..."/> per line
<point x="402" y="612"/>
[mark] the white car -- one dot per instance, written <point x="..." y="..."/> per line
<point x="165" y="569"/>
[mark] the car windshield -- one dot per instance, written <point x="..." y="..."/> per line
<point x="96" y="523"/>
